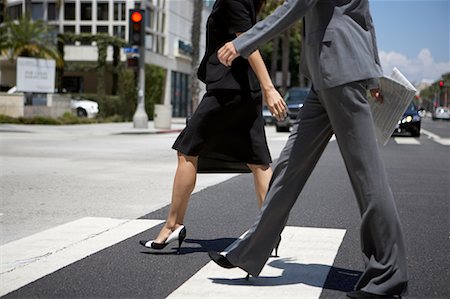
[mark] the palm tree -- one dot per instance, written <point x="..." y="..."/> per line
<point x="28" y="38"/>
<point x="195" y="42"/>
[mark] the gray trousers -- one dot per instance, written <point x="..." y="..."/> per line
<point x="344" y="111"/>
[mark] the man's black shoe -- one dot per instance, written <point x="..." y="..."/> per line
<point x="220" y="260"/>
<point x="362" y="294"/>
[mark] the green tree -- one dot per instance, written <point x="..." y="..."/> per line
<point x="288" y="45"/>
<point x="28" y="38"/>
<point x="435" y="94"/>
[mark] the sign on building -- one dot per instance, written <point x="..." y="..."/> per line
<point x="35" y="75"/>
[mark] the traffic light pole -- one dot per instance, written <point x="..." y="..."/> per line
<point x="140" y="118"/>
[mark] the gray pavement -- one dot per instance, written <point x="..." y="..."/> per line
<point x="52" y="175"/>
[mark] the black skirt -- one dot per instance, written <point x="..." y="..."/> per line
<point x="227" y="125"/>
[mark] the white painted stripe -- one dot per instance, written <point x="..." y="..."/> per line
<point x="429" y="134"/>
<point x="306" y="255"/>
<point x="30" y="258"/>
<point x="286" y="137"/>
<point x="406" y="140"/>
<point x="436" y="138"/>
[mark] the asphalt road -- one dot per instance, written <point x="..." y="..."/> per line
<point x="418" y="170"/>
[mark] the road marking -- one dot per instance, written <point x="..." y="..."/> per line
<point x="436" y="138"/>
<point x="406" y="140"/>
<point x="306" y="255"/>
<point x="286" y="137"/>
<point x="30" y="258"/>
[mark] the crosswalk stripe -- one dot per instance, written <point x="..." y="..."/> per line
<point x="30" y="258"/>
<point x="406" y="140"/>
<point x="306" y="257"/>
<point x="436" y="138"/>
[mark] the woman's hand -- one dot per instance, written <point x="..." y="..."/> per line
<point x="275" y="103"/>
<point x="227" y="54"/>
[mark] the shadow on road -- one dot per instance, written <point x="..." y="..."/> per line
<point x="322" y="276"/>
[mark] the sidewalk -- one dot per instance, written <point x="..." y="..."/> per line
<point x="123" y="128"/>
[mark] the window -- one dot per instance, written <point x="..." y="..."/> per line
<point x="37" y="11"/>
<point x="52" y="13"/>
<point x="69" y="11"/>
<point x="149" y="17"/>
<point x="180" y="94"/>
<point x="160" y="45"/>
<point x="149" y="42"/>
<point x="102" y="29"/>
<point x="102" y="11"/>
<point x="15" y="12"/>
<point x="119" y="31"/>
<point x="69" y="29"/>
<point x="119" y="11"/>
<point x="86" y="11"/>
<point x="85" y="29"/>
<point x="163" y="23"/>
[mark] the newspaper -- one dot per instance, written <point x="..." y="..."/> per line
<point x="397" y="92"/>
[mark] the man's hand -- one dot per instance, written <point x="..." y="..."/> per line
<point x="227" y="54"/>
<point x="275" y="103"/>
<point x="377" y="95"/>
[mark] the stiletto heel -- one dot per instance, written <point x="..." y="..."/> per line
<point x="276" y="247"/>
<point x="181" y="238"/>
<point x="178" y="234"/>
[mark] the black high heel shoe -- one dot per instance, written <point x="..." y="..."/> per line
<point x="276" y="247"/>
<point x="223" y="262"/>
<point x="177" y="235"/>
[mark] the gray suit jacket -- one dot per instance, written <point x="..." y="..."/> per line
<point x="339" y="44"/>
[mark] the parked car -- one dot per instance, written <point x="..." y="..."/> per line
<point x="84" y="107"/>
<point x="269" y="119"/>
<point x="441" y="113"/>
<point x="410" y="121"/>
<point x="295" y="98"/>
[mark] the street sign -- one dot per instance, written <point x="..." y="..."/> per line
<point x="130" y="50"/>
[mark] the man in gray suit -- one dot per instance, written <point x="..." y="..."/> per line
<point x="339" y="56"/>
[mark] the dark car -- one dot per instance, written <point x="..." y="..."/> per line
<point x="410" y="121"/>
<point x="295" y="98"/>
<point x="267" y="115"/>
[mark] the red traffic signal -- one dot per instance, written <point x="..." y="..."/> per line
<point x="136" y="17"/>
<point x="441" y="84"/>
<point x="136" y="27"/>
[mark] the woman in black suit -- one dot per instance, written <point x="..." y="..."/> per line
<point x="228" y="123"/>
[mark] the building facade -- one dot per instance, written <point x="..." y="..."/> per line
<point x="167" y="41"/>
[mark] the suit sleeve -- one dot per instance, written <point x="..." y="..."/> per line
<point x="281" y="19"/>
<point x="239" y="15"/>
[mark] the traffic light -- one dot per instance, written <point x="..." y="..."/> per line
<point x="441" y="84"/>
<point x="136" y="25"/>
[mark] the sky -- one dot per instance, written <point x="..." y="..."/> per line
<point x="414" y="36"/>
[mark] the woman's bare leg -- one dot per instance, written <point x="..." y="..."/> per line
<point x="183" y="185"/>
<point x="261" y="176"/>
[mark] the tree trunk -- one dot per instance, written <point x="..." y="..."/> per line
<point x="195" y="42"/>
<point x="285" y="61"/>
<point x="115" y="74"/>
<point x="274" y="59"/>
<point x="28" y="8"/>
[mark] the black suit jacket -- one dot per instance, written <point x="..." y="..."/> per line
<point x="227" y="18"/>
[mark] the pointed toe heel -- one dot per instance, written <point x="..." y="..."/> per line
<point x="177" y="235"/>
